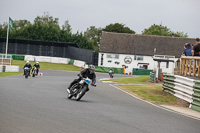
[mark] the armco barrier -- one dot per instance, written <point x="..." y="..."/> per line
<point x="17" y="57"/>
<point x="1" y="68"/>
<point x="79" y="63"/>
<point x="47" y="59"/>
<point x="60" y="60"/>
<point x="71" y="61"/>
<point x="106" y="69"/>
<point x="29" y="58"/>
<point x="8" y="68"/>
<point x="152" y="77"/>
<point x="183" y="88"/>
<point x="196" y="97"/>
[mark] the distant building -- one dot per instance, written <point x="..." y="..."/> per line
<point x="137" y="51"/>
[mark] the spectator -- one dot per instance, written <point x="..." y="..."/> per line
<point x="196" y="48"/>
<point x="185" y="45"/>
<point x="187" y="50"/>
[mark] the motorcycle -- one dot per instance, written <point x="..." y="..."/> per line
<point x="111" y="75"/>
<point x="111" y="72"/>
<point x="34" y="72"/>
<point x="79" y="89"/>
<point x="26" y="69"/>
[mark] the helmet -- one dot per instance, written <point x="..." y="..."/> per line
<point x="37" y="62"/>
<point x="27" y="62"/>
<point x="92" y="68"/>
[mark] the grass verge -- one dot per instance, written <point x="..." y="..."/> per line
<point x="5" y="74"/>
<point x="48" y="66"/>
<point x="43" y="65"/>
<point x="152" y="92"/>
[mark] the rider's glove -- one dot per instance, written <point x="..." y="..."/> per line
<point x="81" y="76"/>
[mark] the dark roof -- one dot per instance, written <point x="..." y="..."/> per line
<point x="123" y="43"/>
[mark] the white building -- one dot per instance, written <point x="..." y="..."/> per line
<point x="139" y="51"/>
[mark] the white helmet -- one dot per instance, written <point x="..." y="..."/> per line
<point x="92" y="69"/>
<point x="27" y="62"/>
<point x="37" y="62"/>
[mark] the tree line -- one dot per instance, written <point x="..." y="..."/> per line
<point x="46" y="28"/>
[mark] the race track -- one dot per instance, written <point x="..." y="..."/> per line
<point x="40" y="105"/>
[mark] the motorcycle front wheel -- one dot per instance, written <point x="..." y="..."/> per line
<point x="81" y="93"/>
<point x="26" y="75"/>
<point x="73" y="91"/>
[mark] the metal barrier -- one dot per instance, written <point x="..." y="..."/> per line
<point x="5" y="59"/>
<point x="190" y="66"/>
<point x="152" y="77"/>
<point x="183" y="88"/>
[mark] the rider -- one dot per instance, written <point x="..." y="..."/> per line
<point x="88" y="72"/>
<point x="111" y="71"/>
<point x="37" y="66"/>
<point x="29" y="66"/>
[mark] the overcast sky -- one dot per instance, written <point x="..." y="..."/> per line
<point x="178" y="15"/>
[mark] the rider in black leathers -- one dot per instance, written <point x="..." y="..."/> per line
<point x="88" y="72"/>
<point x="37" y="66"/>
<point x="28" y="65"/>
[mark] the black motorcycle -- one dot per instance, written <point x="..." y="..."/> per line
<point x="79" y="89"/>
<point x="26" y="69"/>
<point x="111" y="75"/>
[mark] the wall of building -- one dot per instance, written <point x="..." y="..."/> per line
<point x="133" y="61"/>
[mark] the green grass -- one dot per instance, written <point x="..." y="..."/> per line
<point x="152" y="92"/>
<point x="137" y="79"/>
<point x="48" y="66"/>
<point x="5" y="74"/>
<point x="43" y="65"/>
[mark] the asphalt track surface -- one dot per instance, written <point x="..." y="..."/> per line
<point x="40" y="105"/>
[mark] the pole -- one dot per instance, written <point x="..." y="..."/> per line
<point x="7" y="39"/>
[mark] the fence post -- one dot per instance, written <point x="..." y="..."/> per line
<point x="194" y="68"/>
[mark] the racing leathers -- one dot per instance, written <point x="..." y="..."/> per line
<point x="84" y="74"/>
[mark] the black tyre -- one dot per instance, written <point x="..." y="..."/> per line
<point x="26" y="76"/>
<point x="81" y="93"/>
<point x="73" y="91"/>
<point x="69" y="96"/>
<point x="33" y="75"/>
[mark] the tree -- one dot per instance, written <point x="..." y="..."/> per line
<point x="93" y="34"/>
<point x="67" y="27"/>
<point x="119" y="28"/>
<point x="46" y="28"/>
<point x="162" y="31"/>
<point x="81" y="40"/>
<point x="3" y="29"/>
<point x="18" y="24"/>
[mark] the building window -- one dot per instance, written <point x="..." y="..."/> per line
<point x="136" y="57"/>
<point x="113" y="56"/>
<point x="167" y="64"/>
